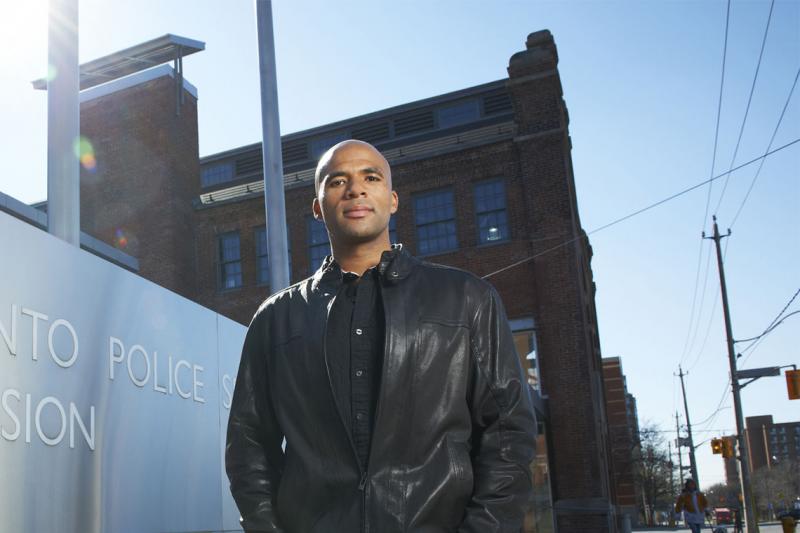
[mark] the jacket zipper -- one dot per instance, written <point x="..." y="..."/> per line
<point x="362" y="487"/>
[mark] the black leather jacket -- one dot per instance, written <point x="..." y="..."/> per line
<point x="454" y="426"/>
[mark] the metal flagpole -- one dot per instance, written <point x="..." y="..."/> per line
<point x="274" y="201"/>
<point x="63" y="122"/>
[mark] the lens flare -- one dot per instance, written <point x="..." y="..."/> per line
<point x="120" y="240"/>
<point x="52" y="72"/>
<point x="84" y="151"/>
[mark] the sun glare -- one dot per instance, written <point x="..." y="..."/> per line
<point x="23" y="34"/>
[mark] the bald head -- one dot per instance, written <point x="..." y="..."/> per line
<point x="349" y="148"/>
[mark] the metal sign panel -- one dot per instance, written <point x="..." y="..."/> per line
<point x="114" y="396"/>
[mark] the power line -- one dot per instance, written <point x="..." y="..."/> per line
<point x="749" y="100"/>
<point x="761" y="165"/>
<point x="756" y="341"/>
<point x="713" y="416"/>
<point x="692" y="324"/>
<point x="719" y="106"/>
<point x="706" y="421"/>
<point x="694" y="301"/>
<point x="775" y="321"/>
<point x="696" y="324"/>
<point x="710" y="318"/>
<point x="767" y="332"/>
<point x="640" y="211"/>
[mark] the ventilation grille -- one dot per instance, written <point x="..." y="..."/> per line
<point x="497" y="103"/>
<point x="294" y="152"/>
<point x="372" y="133"/>
<point x="413" y="123"/>
<point x="249" y="164"/>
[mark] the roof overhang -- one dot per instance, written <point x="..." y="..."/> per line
<point x="134" y="59"/>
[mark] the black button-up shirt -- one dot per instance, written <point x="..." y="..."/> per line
<point x="354" y="347"/>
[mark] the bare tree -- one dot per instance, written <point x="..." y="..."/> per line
<point x="775" y="488"/>
<point x="654" y="473"/>
<point x="724" y="495"/>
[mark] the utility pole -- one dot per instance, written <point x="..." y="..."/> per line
<point x="672" y="481"/>
<point x="744" y="452"/>
<point x="692" y="461"/>
<point x="671" y="470"/>
<point x="680" y="455"/>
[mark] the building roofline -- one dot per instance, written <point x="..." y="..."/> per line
<point x="133" y="59"/>
<point x="132" y="80"/>
<point x="375" y="115"/>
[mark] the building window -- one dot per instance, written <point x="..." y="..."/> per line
<point x="435" y="218"/>
<point x="457" y="114"/>
<point x="393" y="229"/>
<point x="490" y="211"/>
<point x="524" y="332"/>
<point x="320" y="145"/>
<point x="230" y="261"/>
<point x="216" y="174"/>
<point x="262" y="256"/>
<point x="318" y="245"/>
<point x="262" y="259"/>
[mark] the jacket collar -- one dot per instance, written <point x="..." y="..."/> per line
<point x="396" y="264"/>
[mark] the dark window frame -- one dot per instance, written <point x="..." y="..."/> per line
<point x="500" y="212"/>
<point x="393" y="229"/>
<point x="448" y="223"/>
<point x="223" y="261"/>
<point x="261" y="281"/>
<point x="218" y="173"/>
<point x="316" y="246"/>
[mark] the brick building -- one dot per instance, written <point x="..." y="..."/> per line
<point x="484" y="178"/>
<point x="623" y="434"/>
<point x="770" y="442"/>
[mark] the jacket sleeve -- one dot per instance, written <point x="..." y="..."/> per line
<point x="504" y="426"/>
<point x="253" y="453"/>
<point x="679" y="504"/>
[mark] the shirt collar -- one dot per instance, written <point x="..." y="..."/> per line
<point x="331" y="267"/>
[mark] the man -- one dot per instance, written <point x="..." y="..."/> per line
<point x="693" y="504"/>
<point x="393" y="381"/>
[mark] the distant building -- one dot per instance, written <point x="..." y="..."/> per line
<point x="485" y="181"/>
<point x="623" y="435"/>
<point x="772" y="443"/>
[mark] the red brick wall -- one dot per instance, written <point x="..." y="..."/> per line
<point x="566" y="318"/>
<point x="147" y="174"/>
<point x="621" y="437"/>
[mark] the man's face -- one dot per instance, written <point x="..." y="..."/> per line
<point x="355" y="197"/>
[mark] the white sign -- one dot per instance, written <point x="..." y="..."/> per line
<point x="114" y="396"/>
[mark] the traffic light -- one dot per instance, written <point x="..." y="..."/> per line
<point x="728" y="447"/>
<point x="716" y="446"/>
<point x="793" y="384"/>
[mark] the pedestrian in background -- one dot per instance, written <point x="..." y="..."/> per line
<point x="694" y="506"/>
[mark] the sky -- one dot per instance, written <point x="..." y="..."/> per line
<point x="642" y="83"/>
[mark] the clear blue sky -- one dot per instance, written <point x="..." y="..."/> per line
<point x="641" y="80"/>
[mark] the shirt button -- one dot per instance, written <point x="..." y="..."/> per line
<point x="358" y="331"/>
<point x="359" y="373"/>
<point x="359" y="416"/>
